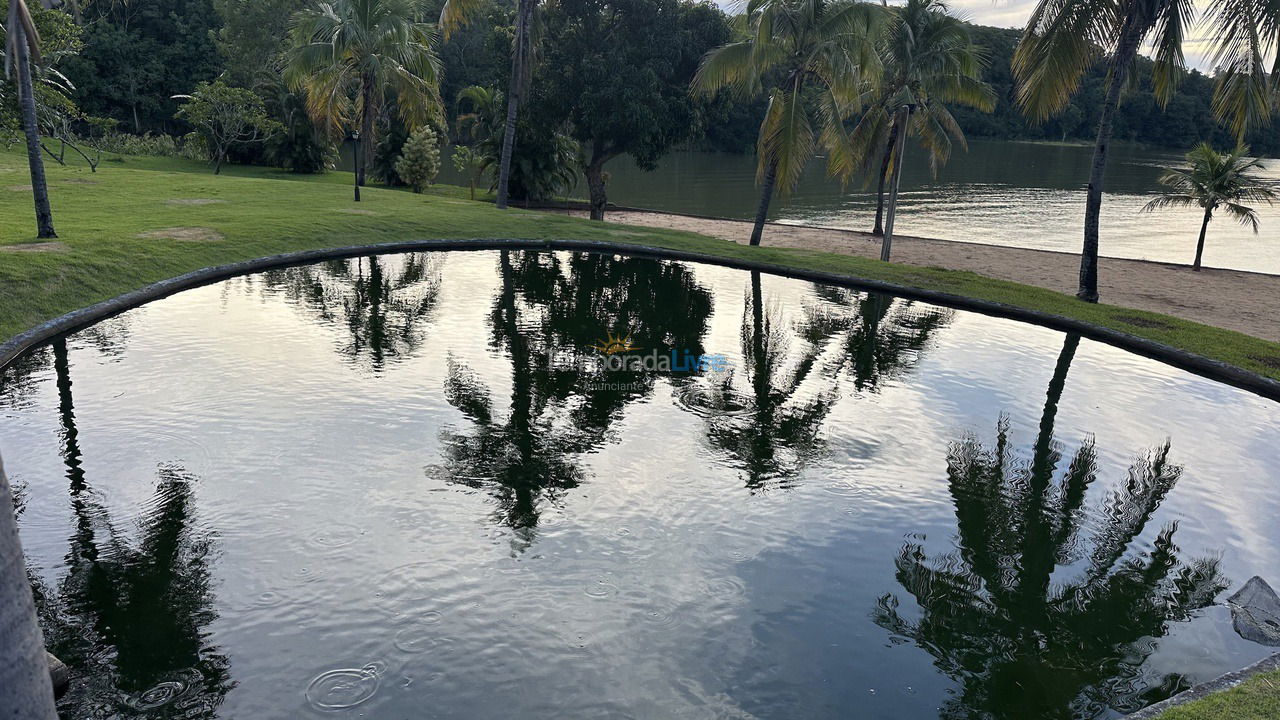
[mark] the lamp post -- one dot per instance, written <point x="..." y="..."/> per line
<point x="355" y="162"/>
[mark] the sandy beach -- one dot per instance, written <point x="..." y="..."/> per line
<point x="1242" y="301"/>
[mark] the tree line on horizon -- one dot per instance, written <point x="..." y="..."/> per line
<point x="546" y="89"/>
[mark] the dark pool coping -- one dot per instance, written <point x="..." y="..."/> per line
<point x="1198" y="364"/>
<point x="1224" y="682"/>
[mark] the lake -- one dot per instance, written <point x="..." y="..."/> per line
<point x="1000" y="193"/>
<point x="546" y="485"/>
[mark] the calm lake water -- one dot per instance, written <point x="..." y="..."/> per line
<point x="411" y="486"/>
<point x="999" y="193"/>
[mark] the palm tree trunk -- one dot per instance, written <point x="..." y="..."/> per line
<point x="25" y="688"/>
<point x="878" y="230"/>
<point x="366" y="131"/>
<point x="886" y="245"/>
<point x="766" y="194"/>
<point x="26" y="93"/>
<point x="519" y="55"/>
<point x="1204" y="227"/>
<point x="1125" y="53"/>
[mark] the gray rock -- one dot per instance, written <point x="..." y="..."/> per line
<point x="59" y="673"/>
<point x="1255" y="612"/>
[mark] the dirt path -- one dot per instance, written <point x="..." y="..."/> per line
<point x="1243" y="301"/>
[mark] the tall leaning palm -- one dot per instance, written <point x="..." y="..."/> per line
<point x="930" y="61"/>
<point x="1216" y="181"/>
<point x="22" y="47"/>
<point x="348" y="53"/>
<point x="1064" y="37"/>
<point x="814" y="56"/>
<point x="457" y="13"/>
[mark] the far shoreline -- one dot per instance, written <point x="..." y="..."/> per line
<point x="1226" y="298"/>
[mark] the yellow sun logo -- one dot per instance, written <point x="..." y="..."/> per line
<point x="613" y="344"/>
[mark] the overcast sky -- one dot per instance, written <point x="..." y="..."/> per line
<point x="1014" y="14"/>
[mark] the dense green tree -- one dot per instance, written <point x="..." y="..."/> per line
<point x="811" y="57"/>
<point x="226" y="117"/>
<point x="1216" y="181"/>
<point x="253" y="35"/>
<point x="618" y="72"/>
<point x="138" y="55"/>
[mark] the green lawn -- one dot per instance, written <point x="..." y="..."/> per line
<point x="1258" y="698"/>
<point x="102" y="219"/>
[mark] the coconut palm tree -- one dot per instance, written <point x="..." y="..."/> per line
<point x="797" y="51"/>
<point x="25" y="689"/>
<point x="1247" y="61"/>
<point x="457" y="13"/>
<point x="22" y="47"/>
<point x="1214" y="181"/>
<point x="1063" y="38"/>
<point x="348" y="54"/>
<point x="929" y="61"/>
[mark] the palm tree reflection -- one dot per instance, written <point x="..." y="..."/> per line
<point x="549" y="311"/>
<point x="770" y="428"/>
<point x="997" y="614"/>
<point x="383" y="303"/>
<point x="131" y="618"/>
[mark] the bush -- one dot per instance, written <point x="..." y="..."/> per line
<point x="419" y="162"/>
<point x="126" y="144"/>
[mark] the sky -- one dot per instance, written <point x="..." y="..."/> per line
<point x="1014" y="14"/>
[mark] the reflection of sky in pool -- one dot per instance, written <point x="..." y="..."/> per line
<point x="351" y="488"/>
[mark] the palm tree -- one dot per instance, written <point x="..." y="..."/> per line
<point x="803" y="49"/>
<point x="22" y="49"/>
<point x="929" y="61"/>
<point x="364" y="48"/>
<point x="25" y="689"/>
<point x="457" y="13"/>
<point x="1003" y="615"/>
<point x="1248" y="84"/>
<point x="1214" y="181"/>
<point x="1063" y="38"/>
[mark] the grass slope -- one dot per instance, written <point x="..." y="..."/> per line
<point x="103" y="218"/>
<point x="1257" y="698"/>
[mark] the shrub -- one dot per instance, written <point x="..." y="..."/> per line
<point x="419" y="162"/>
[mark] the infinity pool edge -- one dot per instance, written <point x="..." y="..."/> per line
<point x="75" y="320"/>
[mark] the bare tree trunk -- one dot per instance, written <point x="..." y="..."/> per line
<point x="595" y="184"/>
<point x="762" y="210"/>
<point x="1204" y="227"/>
<point x="594" y="172"/>
<point x="519" y="56"/>
<point x="1120" y="64"/>
<point x="886" y="245"/>
<point x="39" y="186"/>
<point x="25" y="688"/>
<point x="884" y="176"/>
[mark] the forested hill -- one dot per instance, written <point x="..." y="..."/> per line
<point x="1186" y="121"/>
<point x="136" y="56"/>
